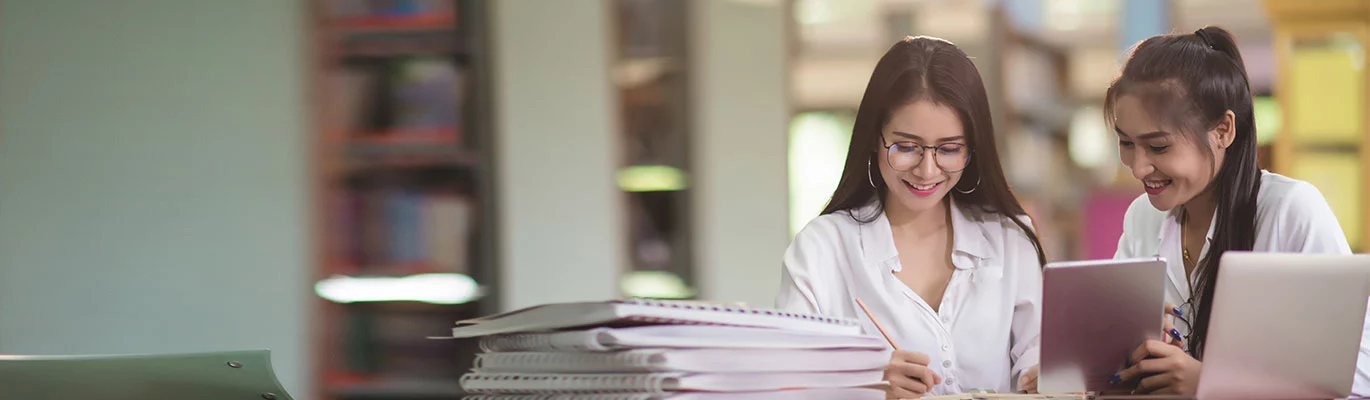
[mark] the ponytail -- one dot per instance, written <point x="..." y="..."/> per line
<point x="1235" y="188"/>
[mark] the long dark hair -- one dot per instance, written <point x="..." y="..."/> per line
<point x="931" y="69"/>
<point x="1190" y="81"/>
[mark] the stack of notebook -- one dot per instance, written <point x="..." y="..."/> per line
<point x="647" y="349"/>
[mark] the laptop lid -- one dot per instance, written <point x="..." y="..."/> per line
<point x="1285" y="326"/>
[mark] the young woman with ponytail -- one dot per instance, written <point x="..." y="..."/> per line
<point x="1182" y="113"/>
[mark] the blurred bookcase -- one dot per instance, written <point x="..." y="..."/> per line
<point x="652" y="78"/>
<point x="1033" y="105"/>
<point x="1322" y="88"/>
<point x="403" y="193"/>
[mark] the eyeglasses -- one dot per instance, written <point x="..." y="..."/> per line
<point x="907" y="155"/>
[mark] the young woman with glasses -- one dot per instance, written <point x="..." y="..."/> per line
<point x="924" y="230"/>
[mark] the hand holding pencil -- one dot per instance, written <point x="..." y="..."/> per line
<point x="907" y="372"/>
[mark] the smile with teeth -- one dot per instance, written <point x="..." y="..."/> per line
<point x="922" y="187"/>
<point x="1153" y="184"/>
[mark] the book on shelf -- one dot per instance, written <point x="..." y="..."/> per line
<point x="406" y="231"/>
<point x="403" y="100"/>
<point x="392" y="13"/>
<point x="426" y="93"/>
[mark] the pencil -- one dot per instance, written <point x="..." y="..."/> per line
<point x="877" y="323"/>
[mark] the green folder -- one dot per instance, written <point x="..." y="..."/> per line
<point x="237" y="375"/>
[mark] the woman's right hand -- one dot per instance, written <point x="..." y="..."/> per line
<point x="909" y="375"/>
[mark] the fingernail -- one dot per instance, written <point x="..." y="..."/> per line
<point x="1115" y="379"/>
<point x="1177" y="311"/>
<point x="1176" y="334"/>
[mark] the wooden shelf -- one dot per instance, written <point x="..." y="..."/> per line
<point x="1318" y="44"/>
<point x="412" y="307"/>
<point x="398" y="30"/>
<point x="365" y="53"/>
<point x="383" y="25"/>
<point x="396" y="45"/>
<point x="399" y="37"/>
<point x="378" y="150"/>
<point x="367" y="158"/>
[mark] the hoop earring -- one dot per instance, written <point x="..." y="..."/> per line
<point x="869" y="178"/>
<point x="972" y="189"/>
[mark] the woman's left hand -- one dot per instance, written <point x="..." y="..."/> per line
<point x="1170" y="334"/>
<point x="1028" y="381"/>
<point x="1162" y="369"/>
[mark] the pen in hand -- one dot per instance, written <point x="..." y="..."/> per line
<point x="909" y="368"/>
<point x="877" y="323"/>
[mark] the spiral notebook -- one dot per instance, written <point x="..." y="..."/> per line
<point x="645" y="312"/>
<point x="1037" y="396"/>
<point x="685" y="360"/>
<point x="506" y="383"/>
<point x="674" y="336"/>
<point x="803" y="394"/>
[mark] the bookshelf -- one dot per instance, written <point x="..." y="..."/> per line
<point x="1034" y="110"/>
<point x="652" y="80"/>
<point x="403" y="193"/>
<point x="1322" y="85"/>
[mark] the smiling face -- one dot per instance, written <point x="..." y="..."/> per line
<point x="919" y="183"/>
<point x="1173" y="167"/>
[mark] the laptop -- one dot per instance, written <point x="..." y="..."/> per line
<point x="1285" y="326"/>
<point x="1094" y="314"/>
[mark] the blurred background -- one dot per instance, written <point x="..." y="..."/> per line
<point x="337" y="180"/>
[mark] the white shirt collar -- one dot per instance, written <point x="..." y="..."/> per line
<point x="969" y="237"/>
<point x="1173" y="218"/>
<point x="1175" y="266"/>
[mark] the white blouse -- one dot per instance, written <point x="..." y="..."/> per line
<point x="1291" y="217"/>
<point x="984" y="335"/>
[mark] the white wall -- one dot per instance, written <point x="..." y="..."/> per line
<point x="560" y="219"/>
<point x="152" y="179"/>
<point x="739" y="147"/>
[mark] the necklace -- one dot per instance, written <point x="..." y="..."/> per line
<point x="1184" y="249"/>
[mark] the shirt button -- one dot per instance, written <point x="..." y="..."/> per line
<point x="946" y="319"/>
<point x="946" y="347"/>
<point x="946" y="364"/>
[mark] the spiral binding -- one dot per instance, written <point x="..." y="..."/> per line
<point x="581" y="396"/>
<point x="563" y="383"/>
<point x="573" y="341"/>
<point x="695" y="305"/>
<point x="567" y="362"/>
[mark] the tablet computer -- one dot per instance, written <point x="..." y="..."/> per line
<point x="1094" y="314"/>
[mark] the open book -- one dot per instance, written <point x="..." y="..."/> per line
<point x="685" y="360"/>
<point x="645" y="312"/>
<point x="675" y="336"/>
